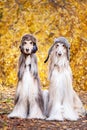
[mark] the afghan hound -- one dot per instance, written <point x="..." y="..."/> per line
<point x="29" y="97"/>
<point x="63" y="103"/>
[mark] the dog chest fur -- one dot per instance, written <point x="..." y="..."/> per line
<point x="29" y="82"/>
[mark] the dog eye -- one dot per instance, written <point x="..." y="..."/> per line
<point x="57" y="46"/>
<point x="31" y="42"/>
<point x="63" y="45"/>
<point x="24" y="43"/>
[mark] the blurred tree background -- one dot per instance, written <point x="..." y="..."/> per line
<point x="46" y="19"/>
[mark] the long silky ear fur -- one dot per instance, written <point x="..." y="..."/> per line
<point x="21" y="66"/>
<point x="51" y="65"/>
<point x="34" y="71"/>
<point x="50" y="68"/>
<point x="34" y="68"/>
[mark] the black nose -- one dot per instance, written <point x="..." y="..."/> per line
<point x="27" y="50"/>
<point x="59" y="54"/>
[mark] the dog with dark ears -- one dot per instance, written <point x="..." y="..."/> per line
<point x="29" y="101"/>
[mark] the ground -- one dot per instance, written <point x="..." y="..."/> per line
<point x="6" y="105"/>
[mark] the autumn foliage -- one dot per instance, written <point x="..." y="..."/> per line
<point x="46" y="19"/>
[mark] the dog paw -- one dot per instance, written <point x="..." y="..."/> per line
<point x="12" y="115"/>
<point x="36" y="117"/>
<point x="71" y="117"/>
<point x="55" y="118"/>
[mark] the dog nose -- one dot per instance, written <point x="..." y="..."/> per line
<point x="27" y="50"/>
<point x="59" y="54"/>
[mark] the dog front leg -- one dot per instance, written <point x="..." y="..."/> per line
<point x="45" y="99"/>
<point x="77" y="104"/>
<point x="36" y="115"/>
<point x="35" y="111"/>
<point x="54" y="108"/>
<point x="20" y="109"/>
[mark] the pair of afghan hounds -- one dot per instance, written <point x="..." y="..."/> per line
<point x="61" y="101"/>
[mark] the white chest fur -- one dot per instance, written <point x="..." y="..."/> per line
<point x="61" y="82"/>
<point x="29" y="84"/>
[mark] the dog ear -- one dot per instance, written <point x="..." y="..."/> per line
<point x="49" y="52"/>
<point x="34" y="66"/>
<point x="21" y="67"/>
<point x="68" y="53"/>
<point x="20" y="47"/>
<point x="35" y="48"/>
<point x="46" y="59"/>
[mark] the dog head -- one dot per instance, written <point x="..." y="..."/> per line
<point x="28" y="44"/>
<point x="61" y="47"/>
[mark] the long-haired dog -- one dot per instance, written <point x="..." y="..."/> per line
<point x="63" y="103"/>
<point x="29" y="97"/>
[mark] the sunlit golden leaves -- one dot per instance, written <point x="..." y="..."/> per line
<point x="46" y="20"/>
